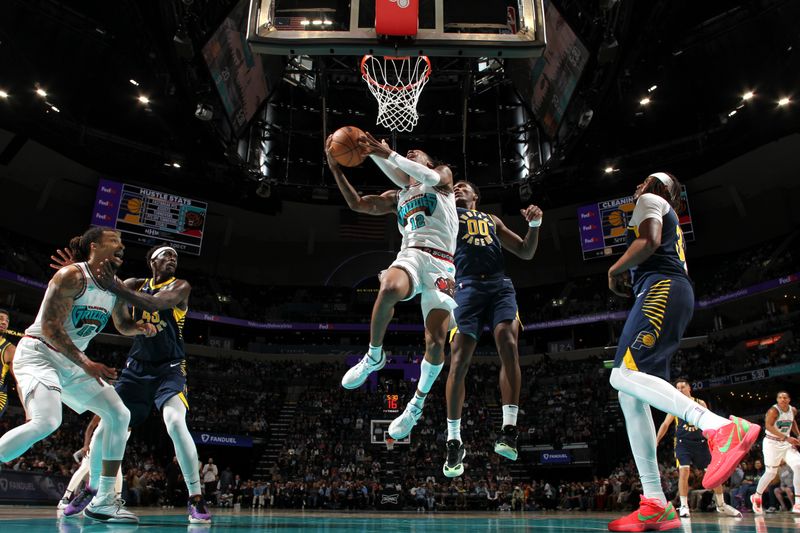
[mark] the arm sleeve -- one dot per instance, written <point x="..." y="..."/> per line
<point x="649" y="206"/>
<point x="399" y="177"/>
<point x="421" y="173"/>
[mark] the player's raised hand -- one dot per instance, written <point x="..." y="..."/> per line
<point x="106" y="273"/>
<point x="99" y="371"/>
<point x="371" y="146"/>
<point x="65" y="258"/>
<point x="793" y="441"/>
<point x="620" y="284"/>
<point x="332" y="164"/>
<point x="531" y="213"/>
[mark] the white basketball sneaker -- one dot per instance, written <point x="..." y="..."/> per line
<point x="109" y="509"/>
<point x="683" y="512"/>
<point x="403" y="424"/>
<point x="357" y="375"/>
<point x="728" y="510"/>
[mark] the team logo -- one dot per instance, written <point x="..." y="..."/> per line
<point x="644" y="340"/>
<point x="3" y="484"/>
<point x="204" y="437"/>
<point x="390" y="498"/>
<point x="88" y="319"/>
<point x="445" y="285"/>
<point x="402" y="4"/>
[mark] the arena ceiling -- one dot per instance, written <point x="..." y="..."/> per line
<point x="700" y="56"/>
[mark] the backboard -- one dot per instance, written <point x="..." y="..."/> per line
<point x="379" y="432"/>
<point x="455" y="28"/>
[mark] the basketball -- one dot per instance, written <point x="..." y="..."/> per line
<point x="345" y="148"/>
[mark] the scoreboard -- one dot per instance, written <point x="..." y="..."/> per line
<point x="150" y="216"/>
<point x="602" y="226"/>
<point x="391" y="403"/>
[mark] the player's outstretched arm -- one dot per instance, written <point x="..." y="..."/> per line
<point x="372" y="204"/>
<point x="125" y="324"/>
<point x="56" y="308"/>
<point x="440" y="176"/>
<point x="522" y="247"/>
<point x="7" y="355"/>
<point x="174" y="295"/>
<point x="668" y="421"/>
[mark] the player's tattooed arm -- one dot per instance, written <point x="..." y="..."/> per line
<point x="372" y="204"/>
<point x="125" y="323"/>
<point x="67" y="283"/>
<point x="522" y="247"/>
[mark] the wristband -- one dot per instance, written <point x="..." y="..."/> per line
<point x="535" y="223"/>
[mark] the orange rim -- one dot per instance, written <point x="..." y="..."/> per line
<point x="386" y="87"/>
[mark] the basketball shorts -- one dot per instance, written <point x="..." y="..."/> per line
<point x="691" y="452"/>
<point x="142" y="385"/>
<point x="431" y="277"/>
<point x="663" y="308"/>
<point x="484" y="302"/>
<point x="36" y="363"/>
<point x="776" y="452"/>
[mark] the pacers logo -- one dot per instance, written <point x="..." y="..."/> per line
<point x="644" y="340"/>
<point x="402" y="4"/>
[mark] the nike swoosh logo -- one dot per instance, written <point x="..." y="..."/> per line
<point x="725" y="448"/>
<point x="638" y="295"/>
<point x="173" y="365"/>
<point x="643" y="518"/>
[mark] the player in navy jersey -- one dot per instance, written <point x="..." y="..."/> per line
<point x="6" y="357"/>
<point x="656" y="259"/>
<point x="485" y="297"/>
<point x="155" y="372"/>
<point x="691" y="449"/>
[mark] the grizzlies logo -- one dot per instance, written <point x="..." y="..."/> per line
<point x="88" y="319"/>
<point x="445" y="285"/>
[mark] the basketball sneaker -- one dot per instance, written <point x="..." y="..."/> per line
<point x="454" y="465"/>
<point x="652" y="515"/>
<point x="403" y="424"/>
<point x="111" y="510"/>
<point x="62" y="504"/>
<point x="728" y="444"/>
<point x="198" y="512"/>
<point x="755" y="500"/>
<point x="729" y="510"/>
<point x="357" y="375"/>
<point x="684" y="512"/>
<point x="79" y="502"/>
<point x="506" y="443"/>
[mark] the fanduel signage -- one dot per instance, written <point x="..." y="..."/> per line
<point x="30" y="487"/>
<point x="218" y="439"/>
<point x="555" y="457"/>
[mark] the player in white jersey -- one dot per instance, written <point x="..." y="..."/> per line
<point x="779" y="446"/>
<point x="427" y="220"/>
<point x="50" y="365"/>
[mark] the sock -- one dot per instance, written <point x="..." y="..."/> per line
<point x="642" y="437"/>
<point x="659" y="394"/>
<point x="375" y="353"/>
<point x="106" y="486"/>
<point x="719" y="498"/>
<point x="684" y="501"/>
<point x="428" y="374"/>
<point x="510" y="415"/>
<point x="454" y="429"/>
<point x="417" y="401"/>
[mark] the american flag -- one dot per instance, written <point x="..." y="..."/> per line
<point x="356" y="226"/>
<point x="290" y="23"/>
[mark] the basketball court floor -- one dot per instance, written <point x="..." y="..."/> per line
<point x="41" y="519"/>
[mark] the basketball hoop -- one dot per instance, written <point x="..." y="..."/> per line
<point x="396" y="83"/>
<point x="389" y="443"/>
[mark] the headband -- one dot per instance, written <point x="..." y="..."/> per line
<point x="161" y="250"/>
<point x="665" y="179"/>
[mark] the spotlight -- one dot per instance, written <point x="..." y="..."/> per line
<point x="644" y="101"/>
<point x="316" y="22"/>
<point x="176" y="165"/>
<point x="133" y="82"/>
<point x="41" y="92"/>
<point x="732" y="113"/>
<point x="748" y="95"/>
<point x="784" y="101"/>
<point x="54" y="108"/>
<point x="609" y="170"/>
<point x="652" y="88"/>
<point x="143" y="99"/>
<point x="305" y="22"/>
<point x="327" y="22"/>
<point x="3" y="94"/>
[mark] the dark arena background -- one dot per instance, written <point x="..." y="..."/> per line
<point x="201" y="125"/>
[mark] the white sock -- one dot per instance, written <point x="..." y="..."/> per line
<point x="718" y="497"/>
<point x="375" y="353"/>
<point x="417" y="401"/>
<point x="659" y="394"/>
<point x="454" y="429"/>
<point x="684" y="501"/>
<point x="510" y="415"/>
<point x="427" y="375"/>
<point x="642" y="436"/>
<point x="106" y="487"/>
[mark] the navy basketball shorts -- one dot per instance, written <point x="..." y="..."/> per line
<point x="483" y="302"/>
<point x="141" y="385"/>
<point x="663" y="308"/>
<point x="691" y="452"/>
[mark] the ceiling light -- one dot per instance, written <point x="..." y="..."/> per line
<point x="652" y="88"/>
<point x="609" y="170"/>
<point x="748" y="95"/>
<point x="784" y="101"/>
<point x="176" y="165"/>
<point x="3" y="94"/>
<point x="134" y="82"/>
<point x="316" y="22"/>
<point x="327" y="22"/>
<point x="305" y="22"/>
<point x="54" y="108"/>
<point x="644" y="101"/>
<point x="144" y="100"/>
<point x="41" y="92"/>
<point x="732" y="113"/>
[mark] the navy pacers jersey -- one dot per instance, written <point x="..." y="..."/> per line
<point x="685" y="431"/>
<point x="478" y="250"/>
<point x="5" y="376"/>
<point x="167" y="345"/>
<point x="670" y="258"/>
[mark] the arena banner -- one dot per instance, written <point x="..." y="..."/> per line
<point x="748" y="291"/>
<point x="555" y="457"/>
<point x="758" y="374"/>
<point x="31" y="487"/>
<point x="221" y="439"/>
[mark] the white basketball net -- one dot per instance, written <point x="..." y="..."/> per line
<point x="396" y="83"/>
